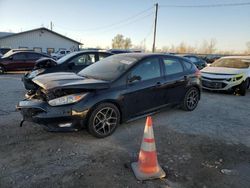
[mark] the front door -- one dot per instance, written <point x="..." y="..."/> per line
<point x="17" y="62"/>
<point x="144" y="91"/>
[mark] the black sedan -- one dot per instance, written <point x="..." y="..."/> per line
<point x="111" y="91"/>
<point x="199" y="62"/>
<point x="73" y="62"/>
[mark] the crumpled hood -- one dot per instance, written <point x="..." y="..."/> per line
<point x="68" y="80"/>
<point x="223" y="70"/>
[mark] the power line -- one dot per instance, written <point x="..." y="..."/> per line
<point x="131" y="22"/>
<point x="113" y="24"/>
<point x="207" y="5"/>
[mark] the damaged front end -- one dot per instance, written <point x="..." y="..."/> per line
<point x="56" y="110"/>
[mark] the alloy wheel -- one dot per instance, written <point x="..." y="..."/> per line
<point x="192" y="99"/>
<point x="105" y="121"/>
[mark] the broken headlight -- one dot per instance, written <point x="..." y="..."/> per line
<point x="235" y="78"/>
<point x="68" y="99"/>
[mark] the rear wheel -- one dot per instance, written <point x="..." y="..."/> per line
<point x="191" y="99"/>
<point x="1" y="69"/>
<point x="103" y="120"/>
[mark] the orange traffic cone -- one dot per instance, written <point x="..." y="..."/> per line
<point x="147" y="166"/>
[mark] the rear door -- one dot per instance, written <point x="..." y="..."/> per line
<point x="175" y="80"/>
<point x="144" y="94"/>
<point x="31" y="59"/>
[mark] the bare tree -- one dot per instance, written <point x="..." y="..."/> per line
<point x="248" y="47"/>
<point x="127" y="43"/>
<point x="120" y="43"/>
<point x="208" y="47"/>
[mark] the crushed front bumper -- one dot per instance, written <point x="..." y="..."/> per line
<point x="59" y="118"/>
<point x="219" y="84"/>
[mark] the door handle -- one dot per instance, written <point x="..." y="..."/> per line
<point x="158" y="84"/>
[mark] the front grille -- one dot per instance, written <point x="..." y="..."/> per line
<point x="216" y="79"/>
<point x="213" y="85"/>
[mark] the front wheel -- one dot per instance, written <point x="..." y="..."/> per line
<point x="242" y="89"/>
<point x="104" y="120"/>
<point x="191" y="99"/>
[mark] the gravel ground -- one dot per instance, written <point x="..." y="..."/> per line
<point x="209" y="147"/>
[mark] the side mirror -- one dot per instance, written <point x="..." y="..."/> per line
<point x="71" y="64"/>
<point x="134" y="78"/>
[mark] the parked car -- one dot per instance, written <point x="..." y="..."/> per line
<point x="230" y="73"/>
<point x="114" y="90"/>
<point x="59" y="54"/>
<point x="19" y="60"/>
<point x="212" y="57"/>
<point x="73" y="62"/>
<point x="199" y="62"/>
<point x="119" y="51"/>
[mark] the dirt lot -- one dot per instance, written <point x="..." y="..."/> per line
<point x="193" y="147"/>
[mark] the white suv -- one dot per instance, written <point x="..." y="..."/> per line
<point x="59" y="54"/>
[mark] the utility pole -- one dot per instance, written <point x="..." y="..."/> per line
<point x="155" y="24"/>
<point x="51" y="26"/>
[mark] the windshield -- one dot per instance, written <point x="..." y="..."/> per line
<point x="66" y="57"/>
<point x="109" y="68"/>
<point x="9" y="53"/>
<point x="238" y="63"/>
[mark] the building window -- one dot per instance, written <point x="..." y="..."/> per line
<point x="37" y="49"/>
<point x="50" y="50"/>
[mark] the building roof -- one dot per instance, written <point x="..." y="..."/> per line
<point x="37" y="29"/>
<point x="3" y="34"/>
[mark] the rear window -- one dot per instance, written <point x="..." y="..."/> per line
<point x="172" y="66"/>
<point x="187" y="65"/>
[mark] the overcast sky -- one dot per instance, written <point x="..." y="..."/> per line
<point x="96" y="22"/>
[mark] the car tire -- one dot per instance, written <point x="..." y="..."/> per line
<point x="242" y="89"/>
<point x="2" y="69"/>
<point x="103" y="120"/>
<point x="191" y="99"/>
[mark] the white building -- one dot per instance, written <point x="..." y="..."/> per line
<point x="40" y="40"/>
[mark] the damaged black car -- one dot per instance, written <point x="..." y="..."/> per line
<point x="73" y="62"/>
<point x="114" y="90"/>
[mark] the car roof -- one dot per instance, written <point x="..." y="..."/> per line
<point x="90" y="51"/>
<point x="139" y="56"/>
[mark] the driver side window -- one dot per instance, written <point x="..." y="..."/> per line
<point x="146" y="70"/>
